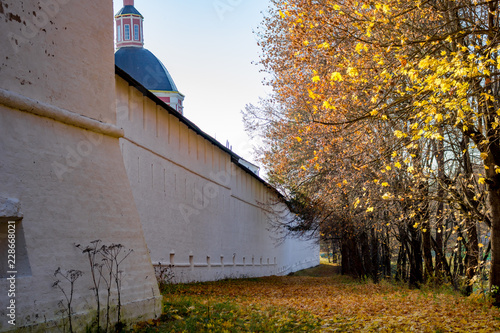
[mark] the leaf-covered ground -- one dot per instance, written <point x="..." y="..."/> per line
<point x="316" y="301"/>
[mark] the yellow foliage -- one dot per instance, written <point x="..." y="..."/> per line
<point x="336" y="76"/>
<point x="352" y="71"/>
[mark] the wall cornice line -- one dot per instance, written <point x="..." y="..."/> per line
<point x="180" y="165"/>
<point x="22" y="103"/>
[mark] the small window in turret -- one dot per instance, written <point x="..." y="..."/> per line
<point x="127" y="31"/>
<point x="136" y="32"/>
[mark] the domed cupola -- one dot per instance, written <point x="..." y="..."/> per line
<point x="140" y="63"/>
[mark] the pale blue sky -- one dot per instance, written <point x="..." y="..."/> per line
<point x="208" y="47"/>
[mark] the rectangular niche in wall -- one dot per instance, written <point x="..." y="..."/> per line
<point x="13" y="253"/>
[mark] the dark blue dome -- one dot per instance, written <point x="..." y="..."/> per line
<point x="127" y="10"/>
<point x="145" y="68"/>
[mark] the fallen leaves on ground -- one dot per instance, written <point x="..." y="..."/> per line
<point x="320" y="304"/>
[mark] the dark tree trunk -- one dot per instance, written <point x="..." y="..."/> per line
<point x="426" y="246"/>
<point x="356" y="259"/>
<point x="387" y="257"/>
<point x="401" y="264"/>
<point x="444" y="263"/>
<point x="491" y="148"/>
<point x="460" y="260"/>
<point x="472" y="254"/>
<point x="440" y="208"/>
<point x="494" y="202"/>
<point x="426" y="234"/>
<point x="455" y="264"/>
<point x="365" y="252"/>
<point x="345" y="268"/>
<point x="374" y="258"/>
<point x="416" y="267"/>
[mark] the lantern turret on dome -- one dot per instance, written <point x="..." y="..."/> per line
<point x="129" y="26"/>
<point x="140" y="63"/>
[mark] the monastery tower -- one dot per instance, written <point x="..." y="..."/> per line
<point x="138" y="62"/>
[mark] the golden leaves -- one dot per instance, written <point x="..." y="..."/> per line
<point x="336" y="76"/>
<point x="387" y="196"/>
<point x="398" y="134"/>
<point x="324" y="45"/>
<point x="361" y="47"/>
<point x="352" y="71"/>
<point x="322" y="303"/>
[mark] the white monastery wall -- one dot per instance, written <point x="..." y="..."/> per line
<point x="62" y="176"/>
<point x="67" y="178"/>
<point x="200" y="211"/>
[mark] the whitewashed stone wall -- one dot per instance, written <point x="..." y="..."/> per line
<point x="200" y="211"/>
<point x="64" y="182"/>
<point x="61" y="164"/>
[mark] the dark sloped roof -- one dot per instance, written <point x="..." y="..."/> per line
<point x="128" y="10"/>
<point x="145" y="68"/>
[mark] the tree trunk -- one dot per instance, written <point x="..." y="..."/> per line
<point x="365" y="253"/>
<point x="344" y="252"/>
<point x="356" y="259"/>
<point x="400" y="270"/>
<point x="416" y="267"/>
<point x="472" y="254"/>
<point x="494" y="201"/>
<point x="440" y="208"/>
<point x="374" y="258"/>
<point x="426" y="235"/>
<point x="387" y="256"/>
<point x="444" y="263"/>
<point x="460" y="260"/>
<point x="426" y="245"/>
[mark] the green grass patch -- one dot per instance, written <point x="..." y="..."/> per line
<point x="192" y="314"/>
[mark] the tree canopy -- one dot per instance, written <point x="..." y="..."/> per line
<point x="385" y="114"/>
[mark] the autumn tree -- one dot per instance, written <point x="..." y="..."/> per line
<point x="377" y="108"/>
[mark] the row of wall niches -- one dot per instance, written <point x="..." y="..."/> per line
<point x="222" y="262"/>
